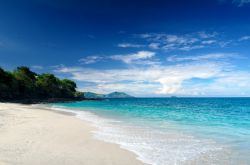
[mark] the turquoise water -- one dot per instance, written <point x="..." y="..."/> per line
<point x="164" y="131"/>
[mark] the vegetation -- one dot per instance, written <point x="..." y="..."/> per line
<point x="22" y="84"/>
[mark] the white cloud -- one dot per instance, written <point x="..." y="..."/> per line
<point x="234" y="83"/>
<point x="174" y="38"/>
<point x="133" y="57"/>
<point x="158" y="80"/>
<point x="90" y="59"/>
<point x="129" y="45"/>
<point x="207" y="35"/>
<point x="134" y="88"/>
<point x="188" y="48"/>
<point x="139" y="58"/>
<point x="211" y="56"/>
<point x="218" y="77"/>
<point x="172" y="83"/>
<point x="154" y="45"/>
<point x="244" y="38"/>
<point x="152" y="62"/>
<point x="207" y="42"/>
<point x="184" y="42"/>
<point x="187" y="42"/>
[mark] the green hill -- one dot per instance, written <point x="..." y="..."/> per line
<point x="92" y="95"/>
<point x="118" y="95"/>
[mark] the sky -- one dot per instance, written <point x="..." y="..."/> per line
<point x="146" y="48"/>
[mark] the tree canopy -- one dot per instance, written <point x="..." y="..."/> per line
<point x="22" y="83"/>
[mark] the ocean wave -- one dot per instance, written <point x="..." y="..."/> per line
<point x="153" y="146"/>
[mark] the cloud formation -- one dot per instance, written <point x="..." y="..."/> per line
<point x="129" y="45"/>
<point x="133" y="57"/>
<point x="218" y="77"/>
<point x="140" y="58"/>
<point x="211" y="56"/>
<point x="90" y="59"/>
<point x="244" y="38"/>
<point x="152" y="71"/>
<point x="186" y="42"/>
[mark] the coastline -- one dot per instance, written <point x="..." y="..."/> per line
<point x="46" y="101"/>
<point x="167" y="145"/>
<point x="36" y="135"/>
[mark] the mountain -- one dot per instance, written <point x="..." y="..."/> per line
<point x="117" y="95"/>
<point x="91" y="95"/>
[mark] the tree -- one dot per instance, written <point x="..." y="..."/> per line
<point x="68" y="88"/>
<point x="48" y="86"/>
<point x="26" y="81"/>
<point x="4" y="86"/>
<point x="25" y="84"/>
<point x="8" y="85"/>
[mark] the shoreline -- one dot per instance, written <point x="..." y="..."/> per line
<point x="46" y="101"/>
<point x="153" y="146"/>
<point x="37" y="135"/>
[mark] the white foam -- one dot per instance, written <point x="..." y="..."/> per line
<point x="156" y="147"/>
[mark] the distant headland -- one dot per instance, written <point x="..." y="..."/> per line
<point x="91" y="95"/>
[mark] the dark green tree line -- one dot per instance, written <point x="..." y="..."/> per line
<point x="22" y="83"/>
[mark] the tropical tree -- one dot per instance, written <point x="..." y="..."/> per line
<point x="26" y="81"/>
<point x="8" y="85"/>
<point x="25" y="84"/>
<point x="68" y="88"/>
<point x="48" y="86"/>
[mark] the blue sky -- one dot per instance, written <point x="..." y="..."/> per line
<point x="144" y="48"/>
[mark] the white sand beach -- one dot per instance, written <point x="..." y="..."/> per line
<point x="36" y="136"/>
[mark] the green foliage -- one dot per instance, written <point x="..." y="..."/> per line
<point x="68" y="88"/>
<point x="48" y="86"/>
<point x="79" y="94"/>
<point x="26" y="81"/>
<point x="9" y="87"/>
<point x="25" y="84"/>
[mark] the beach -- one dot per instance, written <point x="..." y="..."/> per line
<point x="167" y="131"/>
<point x="36" y="135"/>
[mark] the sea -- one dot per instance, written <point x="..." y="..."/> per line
<point x="172" y="131"/>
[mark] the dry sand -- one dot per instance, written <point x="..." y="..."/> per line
<point x="33" y="136"/>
